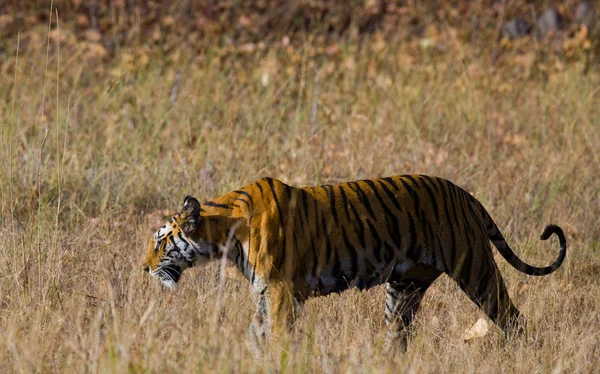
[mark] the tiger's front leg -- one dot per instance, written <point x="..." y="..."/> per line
<point x="283" y="308"/>
<point x="258" y="330"/>
<point x="276" y="313"/>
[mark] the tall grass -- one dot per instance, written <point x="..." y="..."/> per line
<point x="76" y="211"/>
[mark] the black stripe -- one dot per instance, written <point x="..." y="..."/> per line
<point x="467" y="201"/>
<point x="388" y="308"/>
<point x="431" y="181"/>
<point x="243" y="261"/>
<point x="253" y="266"/>
<point x="387" y="253"/>
<point x="327" y="240"/>
<point x="344" y="201"/>
<point x="363" y="198"/>
<point x="390" y="195"/>
<point x="464" y="206"/>
<point x="336" y="269"/>
<point x="393" y="227"/>
<point x="237" y="260"/>
<point x="242" y="192"/>
<point x="360" y="226"/>
<point x="352" y="252"/>
<point x="451" y="228"/>
<point x="180" y="236"/>
<point x="413" y="194"/>
<point x="317" y="218"/>
<point x="279" y="260"/>
<point x="243" y="201"/>
<point x="331" y="195"/>
<point x="455" y="218"/>
<point x="413" y="249"/>
<point x="470" y="203"/>
<point x="321" y="224"/>
<point x="411" y="178"/>
<point x="509" y="255"/>
<point x="497" y="237"/>
<point x="468" y="250"/>
<point x="435" y="244"/>
<point x="433" y="202"/>
<point x="438" y="183"/>
<point x="283" y="250"/>
<point x="260" y="188"/>
<point x="304" y="202"/>
<point x="488" y="222"/>
<point x="392" y="183"/>
<point x="294" y="246"/>
<point x="272" y="187"/>
<point x="288" y="191"/>
<point x="217" y="205"/>
<point x="304" y="227"/>
<point x="301" y="216"/>
<point x="455" y="201"/>
<point x="315" y="256"/>
<point x="429" y="235"/>
<point x="467" y="271"/>
<point x="378" y="242"/>
<point x="484" y="278"/>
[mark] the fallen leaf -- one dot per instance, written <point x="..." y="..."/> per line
<point x="478" y="330"/>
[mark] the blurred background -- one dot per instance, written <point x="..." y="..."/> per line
<point x="112" y="111"/>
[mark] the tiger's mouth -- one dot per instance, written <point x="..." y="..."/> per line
<point x="168" y="275"/>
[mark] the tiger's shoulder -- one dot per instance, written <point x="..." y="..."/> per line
<point x="251" y="199"/>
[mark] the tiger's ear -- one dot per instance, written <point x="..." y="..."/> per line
<point x="191" y="208"/>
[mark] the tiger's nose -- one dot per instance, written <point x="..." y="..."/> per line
<point x="147" y="268"/>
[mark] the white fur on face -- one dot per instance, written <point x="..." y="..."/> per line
<point x="162" y="232"/>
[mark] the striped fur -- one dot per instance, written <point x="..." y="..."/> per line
<point x="294" y="243"/>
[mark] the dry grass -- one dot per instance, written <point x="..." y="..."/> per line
<point x="72" y="293"/>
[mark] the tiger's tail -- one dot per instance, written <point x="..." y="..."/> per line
<point x="500" y="243"/>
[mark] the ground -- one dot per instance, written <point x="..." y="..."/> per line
<point x="130" y="135"/>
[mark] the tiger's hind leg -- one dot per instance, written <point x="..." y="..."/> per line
<point x="403" y="297"/>
<point x="489" y="293"/>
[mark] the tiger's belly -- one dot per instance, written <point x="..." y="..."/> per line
<point x="338" y="281"/>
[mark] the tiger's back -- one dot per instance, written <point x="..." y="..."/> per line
<point x="364" y="233"/>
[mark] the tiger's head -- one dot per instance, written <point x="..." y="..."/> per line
<point x="178" y="245"/>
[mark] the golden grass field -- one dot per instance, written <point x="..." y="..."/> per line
<point x="122" y="151"/>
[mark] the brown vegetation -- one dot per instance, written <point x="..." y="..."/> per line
<point x="104" y="133"/>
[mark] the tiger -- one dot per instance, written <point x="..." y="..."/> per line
<point x="293" y="243"/>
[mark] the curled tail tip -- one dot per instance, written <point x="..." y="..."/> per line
<point x="552" y="229"/>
